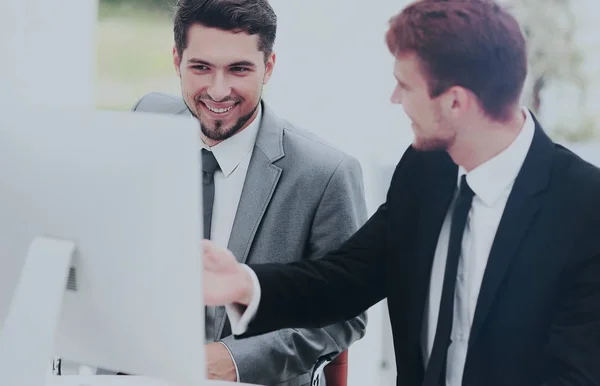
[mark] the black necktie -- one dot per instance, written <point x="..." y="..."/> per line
<point x="209" y="167"/>
<point x="435" y="373"/>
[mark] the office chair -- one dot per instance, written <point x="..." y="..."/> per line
<point x="335" y="370"/>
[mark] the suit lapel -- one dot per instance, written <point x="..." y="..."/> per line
<point x="261" y="180"/>
<point x="259" y="186"/>
<point x="434" y="201"/>
<point x="520" y="212"/>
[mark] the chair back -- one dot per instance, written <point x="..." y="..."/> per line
<point x="336" y="371"/>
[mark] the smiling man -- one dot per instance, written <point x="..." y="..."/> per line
<point x="272" y="192"/>
<point x="222" y="74"/>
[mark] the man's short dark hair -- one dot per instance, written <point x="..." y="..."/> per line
<point x="249" y="16"/>
<point x="475" y="44"/>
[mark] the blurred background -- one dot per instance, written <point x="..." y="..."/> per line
<point x="333" y="76"/>
<point x="134" y="42"/>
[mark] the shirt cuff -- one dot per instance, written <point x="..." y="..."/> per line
<point x="237" y="373"/>
<point x="239" y="318"/>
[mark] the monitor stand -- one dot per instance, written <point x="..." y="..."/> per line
<point x="27" y="339"/>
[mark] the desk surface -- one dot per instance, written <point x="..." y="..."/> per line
<point x="114" y="380"/>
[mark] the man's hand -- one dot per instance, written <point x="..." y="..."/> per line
<point x="225" y="281"/>
<point x="219" y="363"/>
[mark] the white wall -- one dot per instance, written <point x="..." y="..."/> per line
<point x="334" y="74"/>
<point x="45" y="63"/>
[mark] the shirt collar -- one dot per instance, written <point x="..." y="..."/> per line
<point x="230" y="152"/>
<point x="490" y="179"/>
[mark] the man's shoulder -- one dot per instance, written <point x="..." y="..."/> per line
<point x="577" y="183"/>
<point x="162" y="103"/>
<point x="417" y="164"/>
<point x="581" y="176"/>
<point x="306" y="150"/>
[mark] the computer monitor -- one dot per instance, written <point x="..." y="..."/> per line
<point x="100" y="255"/>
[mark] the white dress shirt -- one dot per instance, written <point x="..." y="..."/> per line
<point x="492" y="183"/>
<point x="233" y="156"/>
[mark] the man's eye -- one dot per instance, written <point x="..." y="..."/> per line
<point x="200" y="67"/>
<point x="239" y="69"/>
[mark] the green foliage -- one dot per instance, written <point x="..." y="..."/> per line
<point x="145" y="4"/>
<point x="556" y="59"/>
<point x="134" y="46"/>
<point x="587" y="131"/>
<point x="135" y="9"/>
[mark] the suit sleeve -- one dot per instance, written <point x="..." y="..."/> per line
<point x="573" y="351"/>
<point x="340" y="286"/>
<point x="287" y="354"/>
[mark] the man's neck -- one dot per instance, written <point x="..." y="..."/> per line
<point x="485" y="140"/>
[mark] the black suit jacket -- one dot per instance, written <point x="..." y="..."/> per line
<point x="537" y="320"/>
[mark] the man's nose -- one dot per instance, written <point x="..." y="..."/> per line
<point x="396" y="97"/>
<point x="219" y="89"/>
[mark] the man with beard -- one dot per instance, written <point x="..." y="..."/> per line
<point x="272" y="192"/>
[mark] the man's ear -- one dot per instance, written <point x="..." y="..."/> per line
<point x="176" y="61"/>
<point x="269" y="66"/>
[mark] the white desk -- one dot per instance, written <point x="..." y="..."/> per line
<point x="115" y="380"/>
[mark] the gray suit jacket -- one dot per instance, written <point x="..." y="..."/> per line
<point x="301" y="198"/>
